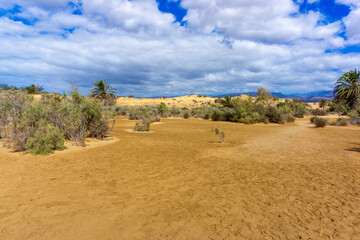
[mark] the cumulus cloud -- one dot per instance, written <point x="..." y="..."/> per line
<point x="225" y="46"/>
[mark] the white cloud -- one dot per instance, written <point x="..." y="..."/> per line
<point x="259" y="20"/>
<point x="141" y="51"/>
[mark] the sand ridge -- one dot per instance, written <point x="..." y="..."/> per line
<point x="288" y="181"/>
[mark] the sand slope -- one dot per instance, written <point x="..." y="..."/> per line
<point x="190" y="101"/>
<point x="267" y="182"/>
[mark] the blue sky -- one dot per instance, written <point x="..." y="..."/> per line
<point x="175" y="47"/>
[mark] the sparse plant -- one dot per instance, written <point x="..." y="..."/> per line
<point x="320" y="122"/>
<point x="142" y="126"/>
<point x="186" y="114"/>
<point x="322" y="103"/>
<point x="320" y="112"/>
<point x="341" y="122"/>
<point x="220" y="134"/>
<point x="163" y="110"/>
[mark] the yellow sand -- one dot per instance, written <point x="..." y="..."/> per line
<point x="266" y="182"/>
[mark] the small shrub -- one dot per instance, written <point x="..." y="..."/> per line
<point x="353" y="113"/>
<point x="47" y="138"/>
<point x="274" y="115"/>
<point x="163" y="109"/>
<point x="217" y="115"/>
<point x="206" y="116"/>
<point x="355" y="121"/>
<point x="342" y="122"/>
<point x="175" y="111"/>
<point x="220" y="134"/>
<point x="320" y="112"/>
<point x="186" y="115"/>
<point x="142" y="126"/>
<point x="290" y="118"/>
<point x="312" y="119"/>
<point x="323" y="103"/>
<point x="320" y="122"/>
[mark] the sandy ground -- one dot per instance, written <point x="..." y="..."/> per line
<point x="190" y="101"/>
<point x="266" y="182"/>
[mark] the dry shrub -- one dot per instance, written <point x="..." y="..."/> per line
<point x="320" y="122"/>
<point x="220" y="134"/>
<point x="142" y="126"/>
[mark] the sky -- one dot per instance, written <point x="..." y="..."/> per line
<point x="176" y="47"/>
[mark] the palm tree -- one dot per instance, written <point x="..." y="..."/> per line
<point x="226" y="101"/>
<point x="104" y="91"/>
<point x="347" y="88"/>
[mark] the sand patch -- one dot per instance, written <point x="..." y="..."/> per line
<point x="283" y="182"/>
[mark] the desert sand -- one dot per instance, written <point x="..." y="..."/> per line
<point x="189" y="101"/>
<point x="266" y="182"/>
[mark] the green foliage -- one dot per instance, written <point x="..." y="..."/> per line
<point x="338" y="106"/>
<point x="353" y="113"/>
<point x="163" y="110"/>
<point x="226" y="101"/>
<point x="103" y="91"/>
<point x="186" y="114"/>
<point x="263" y="95"/>
<point x="46" y="139"/>
<point x="341" y="122"/>
<point x="142" y="126"/>
<point x="320" y="122"/>
<point x="175" y="111"/>
<point x="75" y="117"/>
<point x="217" y="115"/>
<point x="297" y="106"/>
<point x="275" y="116"/>
<point x="312" y="119"/>
<point x="347" y="88"/>
<point x="322" y="103"/>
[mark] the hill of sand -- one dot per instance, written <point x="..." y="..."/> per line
<point x="189" y="101"/>
<point x="266" y="182"/>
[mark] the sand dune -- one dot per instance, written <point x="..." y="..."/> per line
<point x="266" y="182"/>
<point x="189" y="101"/>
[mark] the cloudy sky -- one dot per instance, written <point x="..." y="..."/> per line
<point x="174" y="47"/>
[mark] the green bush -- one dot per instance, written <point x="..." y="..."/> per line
<point x="353" y="113"/>
<point x="46" y="139"/>
<point x="186" y="114"/>
<point x="312" y="119"/>
<point x="217" y="115"/>
<point x="275" y="116"/>
<point x="142" y="126"/>
<point x="175" y="111"/>
<point x="342" y="122"/>
<point x="163" y="110"/>
<point x="320" y="122"/>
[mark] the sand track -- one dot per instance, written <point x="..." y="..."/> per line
<point x="267" y="182"/>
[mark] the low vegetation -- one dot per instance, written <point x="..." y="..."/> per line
<point x="41" y="127"/>
<point x="142" y="126"/>
<point x="219" y="133"/>
<point x="319" y="122"/>
<point x="263" y="109"/>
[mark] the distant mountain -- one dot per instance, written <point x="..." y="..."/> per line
<point x="306" y="97"/>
